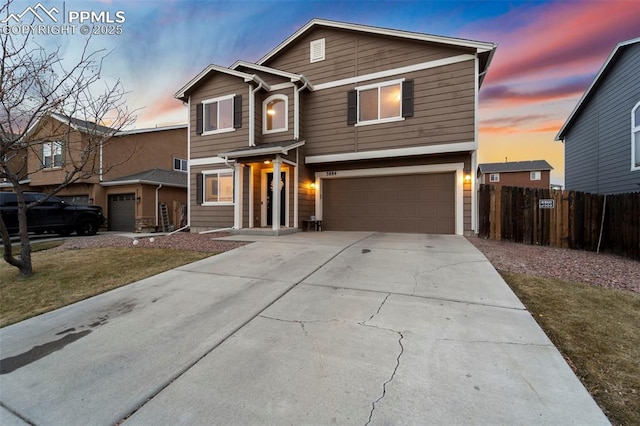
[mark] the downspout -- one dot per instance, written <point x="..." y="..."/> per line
<point x="157" y="204"/>
<point x="296" y="107"/>
<point x="101" y="164"/>
<point x="252" y="118"/>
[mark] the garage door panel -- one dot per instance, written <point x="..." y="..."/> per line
<point x="422" y="203"/>
<point x="122" y="212"/>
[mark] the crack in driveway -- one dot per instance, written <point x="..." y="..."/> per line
<point x="393" y="374"/>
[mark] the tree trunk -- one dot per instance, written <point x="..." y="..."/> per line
<point x="23" y="264"/>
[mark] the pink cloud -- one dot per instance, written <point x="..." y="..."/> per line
<point x="508" y="95"/>
<point x="558" y="39"/>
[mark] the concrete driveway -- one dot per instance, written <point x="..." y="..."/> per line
<point x="310" y="328"/>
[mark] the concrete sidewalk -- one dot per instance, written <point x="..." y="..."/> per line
<point x="310" y="328"/>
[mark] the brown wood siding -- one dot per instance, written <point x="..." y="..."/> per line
<point x="422" y="203"/>
<point x="306" y="194"/>
<point x="443" y="113"/>
<point x="348" y="54"/>
<point x="208" y="217"/>
<point x="210" y="145"/>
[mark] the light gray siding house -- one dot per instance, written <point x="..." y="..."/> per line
<point x="602" y="134"/>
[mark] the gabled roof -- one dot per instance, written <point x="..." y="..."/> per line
<point x="150" y="130"/>
<point x="485" y="50"/>
<point x="84" y="126"/>
<point x="514" y="166"/>
<point x="172" y="178"/>
<point x="293" y="77"/>
<point x="596" y="82"/>
<point x="182" y="93"/>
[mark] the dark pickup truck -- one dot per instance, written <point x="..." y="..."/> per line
<point x="52" y="215"/>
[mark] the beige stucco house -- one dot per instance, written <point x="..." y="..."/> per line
<point x="361" y="128"/>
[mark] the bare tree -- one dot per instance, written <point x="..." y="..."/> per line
<point x="35" y="85"/>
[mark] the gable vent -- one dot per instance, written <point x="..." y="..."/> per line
<point x="317" y="50"/>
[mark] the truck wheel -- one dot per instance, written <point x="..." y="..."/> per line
<point x="86" y="227"/>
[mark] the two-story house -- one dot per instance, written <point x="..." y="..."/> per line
<point x="128" y="173"/>
<point x="363" y="128"/>
<point x="602" y="134"/>
<point x="524" y="174"/>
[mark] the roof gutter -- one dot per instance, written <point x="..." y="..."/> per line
<point x="141" y="182"/>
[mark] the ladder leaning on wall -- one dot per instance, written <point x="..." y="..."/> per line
<point x="164" y="217"/>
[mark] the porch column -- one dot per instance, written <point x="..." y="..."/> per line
<point x="237" y="195"/>
<point x="275" y="194"/>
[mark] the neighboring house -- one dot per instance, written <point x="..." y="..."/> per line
<point x="526" y="174"/>
<point x="364" y="128"/>
<point x="132" y="172"/>
<point x="602" y="135"/>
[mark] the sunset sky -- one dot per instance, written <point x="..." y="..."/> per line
<point x="548" y="53"/>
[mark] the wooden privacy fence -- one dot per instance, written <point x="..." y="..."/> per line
<point x="568" y="219"/>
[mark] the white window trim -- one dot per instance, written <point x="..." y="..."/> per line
<point x="535" y="175"/>
<point x="378" y="86"/>
<point x="491" y="175"/>
<point x="182" y="162"/>
<point x="211" y="101"/>
<point x="53" y="166"/>
<point x="286" y="114"/>
<point x="635" y="138"/>
<point x="218" y="172"/>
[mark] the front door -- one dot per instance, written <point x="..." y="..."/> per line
<point x="283" y="200"/>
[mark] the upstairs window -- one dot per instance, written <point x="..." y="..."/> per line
<point x="180" y="164"/>
<point x="536" y="175"/>
<point x="635" y="137"/>
<point x="275" y="114"/>
<point x="219" y="115"/>
<point x="494" y="177"/>
<point x="51" y="155"/>
<point x="380" y="103"/>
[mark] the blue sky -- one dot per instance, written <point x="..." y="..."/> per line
<point x="548" y="52"/>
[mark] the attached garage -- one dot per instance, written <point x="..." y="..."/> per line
<point x="413" y="203"/>
<point x="122" y="212"/>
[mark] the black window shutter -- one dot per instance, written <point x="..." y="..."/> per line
<point x="407" y="98"/>
<point x="352" y="107"/>
<point x="199" y="120"/>
<point x="199" y="179"/>
<point x="237" y="111"/>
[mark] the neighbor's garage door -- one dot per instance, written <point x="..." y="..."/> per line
<point x="122" y="212"/>
<point x="423" y="203"/>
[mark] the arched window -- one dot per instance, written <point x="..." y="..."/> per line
<point x="635" y="137"/>
<point x="275" y="113"/>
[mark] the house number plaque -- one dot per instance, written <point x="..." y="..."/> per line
<point x="546" y="203"/>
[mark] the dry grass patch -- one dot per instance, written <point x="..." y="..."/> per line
<point x="64" y="277"/>
<point x="597" y="330"/>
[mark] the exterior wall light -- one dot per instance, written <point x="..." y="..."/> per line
<point x="467" y="177"/>
<point x="312" y="185"/>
